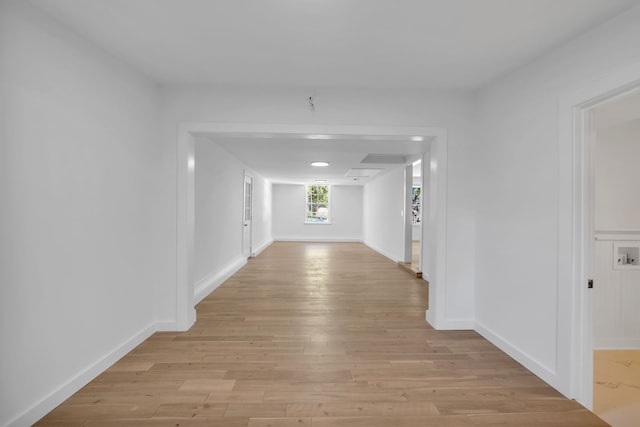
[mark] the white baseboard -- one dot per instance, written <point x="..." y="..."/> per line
<point x="210" y="282"/>
<point x="256" y="251"/>
<point x="168" y="326"/>
<point x="318" y="240"/>
<point x="47" y="404"/>
<point x="620" y="343"/>
<point x="543" y="372"/>
<point x="381" y="251"/>
<point x="454" y="324"/>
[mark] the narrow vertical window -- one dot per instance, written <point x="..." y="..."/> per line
<point x="317" y="204"/>
<point x="416" y="205"/>
<point x="247" y="201"/>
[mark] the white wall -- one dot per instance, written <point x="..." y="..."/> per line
<point x="518" y="204"/>
<point x="616" y="295"/>
<point x="218" y="207"/>
<point x="617" y="178"/>
<point x="219" y="186"/>
<point x="85" y="233"/>
<point x="416" y="232"/>
<point x="262" y="221"/>
<point x="383" y="218"/>
<point x="452" y="110"/>
<point x="219" y="183"/>
<point x="289" y="212"/>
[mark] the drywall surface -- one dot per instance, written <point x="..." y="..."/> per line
<point x="384" y="214"/>
<point x="616" y="318"/>
<point x="518" y="206"/>
<point x="289" y="211"/>
<point x="262" y="221"/>
<point x="219" y="181"/>
<point x="218" y="215"/>
<point x="454" y="111"/>
<point x="84" y="233"/>
<point x="616" y="177"/>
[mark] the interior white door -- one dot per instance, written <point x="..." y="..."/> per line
<point x="247" y="215"/>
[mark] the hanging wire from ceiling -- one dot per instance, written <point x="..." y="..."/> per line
<point x="312" y="100"/>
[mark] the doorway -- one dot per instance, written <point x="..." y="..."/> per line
<point x="576" y="227"/>
<point x="247" y="215"/>
<point x="417" y="209"/>
<point x="414" y="190"/>
<point x="614" y="140"/>
<point x="436" y="229"/>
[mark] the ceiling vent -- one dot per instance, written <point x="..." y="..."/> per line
<point x="362" y="172"/>
<point x="384" y="159"/>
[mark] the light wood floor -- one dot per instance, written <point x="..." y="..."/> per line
<point x="311" y="334"/>
<point x="413" y="267"/>
<point x="415" y="255"/>
<point x="616" y="391"/>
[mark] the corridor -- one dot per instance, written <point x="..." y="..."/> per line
<point x="318" y="334"/>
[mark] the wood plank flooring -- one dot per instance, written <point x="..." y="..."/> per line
<point x="318" y="334"/>
<point x="616" y="388"/>
<point x="414" y="266"/>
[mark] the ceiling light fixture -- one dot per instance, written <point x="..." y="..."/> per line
<point x="320" y="180"/>
<point x="417" y="138"/>
<point x="319" y="136"/>
<point x="320" y="164"/>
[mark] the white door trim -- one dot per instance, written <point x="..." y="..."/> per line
<point x="575" y="335"/>
<point x="408" y="226"/>
<point x="185" y="312"/>
<point x="246" y="251"/>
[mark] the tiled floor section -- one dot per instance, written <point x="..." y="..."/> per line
<point x="616" y="392"/>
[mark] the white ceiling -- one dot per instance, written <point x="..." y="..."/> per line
<point x="440" y="44"/>
<point x="286" y="158"/>
<point x="462" y="44"/>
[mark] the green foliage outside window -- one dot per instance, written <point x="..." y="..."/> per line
<point x="317" y="203"/>
<point x="416" y="205"/>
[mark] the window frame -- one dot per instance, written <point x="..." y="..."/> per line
<point x="307" y="203"/>
<point x="418" y="219"/>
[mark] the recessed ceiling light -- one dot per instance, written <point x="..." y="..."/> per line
<point x="417" y="138"/>
<point x="320" y="180"/>
<point x="319" y="164"/>
<point x="319" y="136"/>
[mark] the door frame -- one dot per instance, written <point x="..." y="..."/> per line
<point x="575" y="313"/>
<point x="247" y="252"/>
<point x="185" y="314"/>
<point x="408" y="226"/>
<point x="408" y="207"/>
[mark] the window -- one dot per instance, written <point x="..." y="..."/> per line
<point x="416" y="205"/>
<point x="317" y="204"/>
